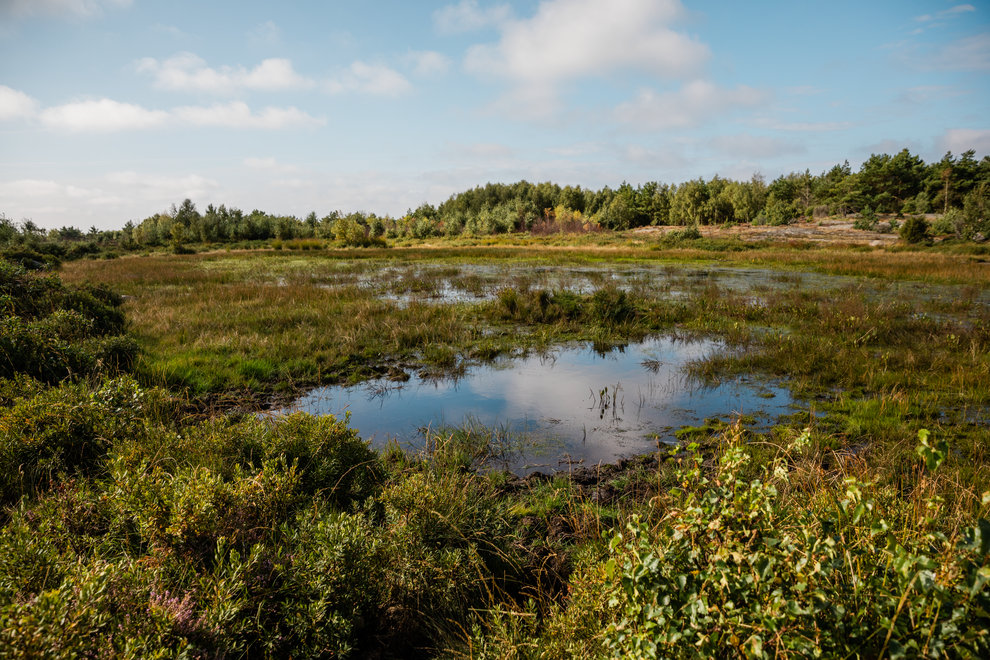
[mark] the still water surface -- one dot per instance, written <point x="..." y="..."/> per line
<point x="569" y="407"/>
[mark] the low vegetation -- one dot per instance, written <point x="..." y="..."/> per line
<point x="150" y="510"/>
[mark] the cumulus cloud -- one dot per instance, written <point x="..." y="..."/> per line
<point x="15" y="104"/>
<point x="428" y="62"/>
<point x="468" y="16"/>
<point x="20" y="8"/>
<point x="570" y="39"/>
<point x="189" y="73"/>
<point x="959" y="140"/>
<point x="107" y="115"/>
<point x="102" y="115"/>
<point x="365" y="78"/>
<point x="692" y="105"/>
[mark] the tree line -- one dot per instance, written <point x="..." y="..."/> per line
<point x="957" y="188"/>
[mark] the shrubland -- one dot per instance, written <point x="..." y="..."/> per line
<point x="146" y="514"/>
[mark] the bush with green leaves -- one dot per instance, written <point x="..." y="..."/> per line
<point x="731" y="567"/>
<point x="63" y="432"/>
<point x="51" y="332"/>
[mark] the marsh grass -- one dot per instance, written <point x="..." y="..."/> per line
<point x="133" y="527"/>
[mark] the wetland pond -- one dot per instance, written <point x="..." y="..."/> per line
<point x="548" y="412"/>
<point x="573" y="405"/>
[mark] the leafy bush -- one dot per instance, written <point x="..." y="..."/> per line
<point x="62" y="432"/>
<point x="950" y="223"/>
<point x="731" y="566"/>
<point x="52" y="332"/>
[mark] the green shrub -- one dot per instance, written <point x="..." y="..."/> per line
<point x="732" y="566"/>
<point x="334" y="588"/>
<point x="915" y="230"/>
<point x="62" y="432"/>
<point x="52" y="332"/>
<point x="867" y="220"/>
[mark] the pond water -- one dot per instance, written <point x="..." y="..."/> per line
<point x="552" y="411"/>
<point x="444" y="284"/>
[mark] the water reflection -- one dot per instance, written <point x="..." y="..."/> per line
<point x="573" y="405"/>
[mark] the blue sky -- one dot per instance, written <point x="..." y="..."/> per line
<point x="112" y="110"/>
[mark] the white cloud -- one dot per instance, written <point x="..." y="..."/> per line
<point x="188" y="72"/>
<point x="692" y="105"/>
<point x="238" y="115"/>
<point x="107" y="115"/>
<point x="376" y="79"/>
<point x="428" y="62"/>
<point x="15" y="104"/>
<point x="59" y="7"/>
<point x="945" y="13"/>
<point x="468" y="16"/>
<point x="754" y="146"/>
<point x="959" y="140"/>
<point x="102" y="115"/>
<point x="571" y="39"/>
<point x="38" y="198"/>
<point x="106" y="200"/>
<point x="958" y="9"/>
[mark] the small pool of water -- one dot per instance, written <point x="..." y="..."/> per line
<point x="570" y="407"/>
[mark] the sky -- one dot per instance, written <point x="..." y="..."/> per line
<point x="113" y="110"/>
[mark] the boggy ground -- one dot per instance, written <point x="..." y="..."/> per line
<point x="856" y="526"/>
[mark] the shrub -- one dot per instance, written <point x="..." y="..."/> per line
<point x="51" y="332"/>
<point x="732" y="566"/>
<point x="62" y="432"/>
<point x="867" y="220"/>
<point x="915" y="230"/>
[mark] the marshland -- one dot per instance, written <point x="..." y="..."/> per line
<point x="163" y="497"/>
<point x="480" y="431"/>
